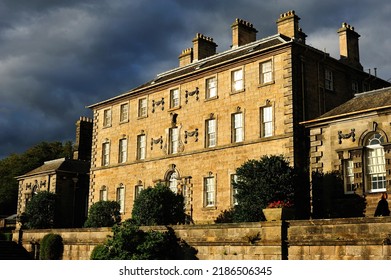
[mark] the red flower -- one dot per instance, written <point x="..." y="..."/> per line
<point x="279" y="204"/>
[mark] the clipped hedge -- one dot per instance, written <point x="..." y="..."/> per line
<point x="51" y="247"/>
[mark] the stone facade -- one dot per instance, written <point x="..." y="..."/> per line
<point x="192" y="126"/>
<point x="353" y="141"/>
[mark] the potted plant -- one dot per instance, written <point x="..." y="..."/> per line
<point x="279" y="210"/>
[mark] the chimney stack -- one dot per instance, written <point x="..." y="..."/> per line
<point x="288" y="25"/>
<point x="186" y="57"/>
<point x="83" y="143"/>
<point x="243" y="33"/>
<point x="348" y="46"/>
<point x="203" y="47"/>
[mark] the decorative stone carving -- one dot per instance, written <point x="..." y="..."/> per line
<point x="191" y="134"/>
<point x="157" y="103"/>
<point x="191" y="93"/>
<point x="341" y="135"/>
<point x="157" y="141"/>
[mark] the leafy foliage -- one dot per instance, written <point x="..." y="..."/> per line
<point x="103" y="214"/>
<point x="129" y="242"/>
<point x="158" y="206"/>
<point x="40" y="211"/>
<point x="51" y="247"/>
<point x="19" y="164"/>
<point x="261" y="182"/>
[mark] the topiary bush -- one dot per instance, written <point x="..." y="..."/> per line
<point x="158" y="206"/>
<point x="103" y="214"/>
<point x="51" y="247"/>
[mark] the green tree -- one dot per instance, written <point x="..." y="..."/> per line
<point x="261" y="182"/>
<point x="19" y="164"/>
<point x="129" y="242"/>
<point x="158" y="206"/>
<point x="51" y="247"/>
<point x="40" y="211"/>
<point x="103" y="214"/>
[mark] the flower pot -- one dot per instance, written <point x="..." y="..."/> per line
<point x="278" y="214"/>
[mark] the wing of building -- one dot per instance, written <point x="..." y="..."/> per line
<point x="352" y="144"/>
<point x="192" y="126"/>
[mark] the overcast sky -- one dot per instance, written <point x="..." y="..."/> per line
<point x="57" y="57"/>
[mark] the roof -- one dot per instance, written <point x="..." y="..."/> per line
<point x="60" y="164"/>
<point x="208" y="62"/>
<point x="360" y="103"/>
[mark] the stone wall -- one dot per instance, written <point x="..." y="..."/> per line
<point x="334" y="239"/>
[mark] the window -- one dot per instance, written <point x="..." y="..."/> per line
<point x="210" y="133"/>
<point x="375" y="164"/>
<point x="123" y="150"/>
<point x="237" y="127"/>
<point x="355" y="87"/>
<point x="234" y="190"/>
<point x="209" y="191"/>
<point x="124" y="112"/>
<point x="107" y="117"/>
<point x="173" y="182"/>
<point x="174" y="140"/>
<point x="211" y="88"/>
<point x="266" y="72"/>
<point x="137" y="190"/>
<point x="142" y="107"/>
<point x="141" y="146"/>
<point x="237" y="80"/>
<point x="267" y="121"/>
<point x="103" y="194"/>
<point x="121" y="198"/>
<point x="348" y="176"/>
<point x="174" y="98"/>
<point x="329" y="84"/>
<point x="106" y="153"/>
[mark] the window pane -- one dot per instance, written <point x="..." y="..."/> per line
<point x="141" y="146"/>
<point x="211" y="85"/>
<point x="174" y="140"/>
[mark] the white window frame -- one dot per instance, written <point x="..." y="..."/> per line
<point x="172" y="181"/>
<point x="174" y="140"/>
<point x="266" y="72"/>
<point x="123" y="150"/>
<point x="329" y="79"/>
<point x="209" y="191"/>
<point x="267" y="121"/>
<point x="107" y="117"/>
<point x="124" y="112"/>
<point x="141" y="146"/>
<point x="211" y="133"/>
<point x="375" y="164"/>
<point x="103" y="194"/>
<point x="105" y="153"/>
<point x="142" y="107"/>
<point x="234" y="191"/>
<point x="348" y="176"/>
<point x="175" y="98"/>
<point x="120" y="197"/>
<point x="211" y="87"/>
<point x="237" y="127"/>
<point x="237" y="80"/>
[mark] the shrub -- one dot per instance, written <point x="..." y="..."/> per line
<point x="225" y="216"/>
<point x="40" y="211"/>
<point x="103" y="214"/>
<point x="158" y="206"/>
<point x="129" y="242"/>
<point x="51" y="247"/>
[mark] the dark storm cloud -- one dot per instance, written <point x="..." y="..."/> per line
<point x="56" y="57"/>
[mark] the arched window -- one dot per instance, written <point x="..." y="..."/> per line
<point x="172" y="180"/>
<point x="121" y="197"/>
<point x="103" y="194"/>
<point x="375" y="165"/>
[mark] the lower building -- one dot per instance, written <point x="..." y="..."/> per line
<point x="350" y="156"/>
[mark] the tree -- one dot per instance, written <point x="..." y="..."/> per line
<point x="51" y="247"/>
<point x="158" y="206"/>
<point x="129" y="242"/>
<point x="103" y="214"/>
<point x="261" y="182"/>
<point x="40" y="211"/>
<point x="19" y="164"/>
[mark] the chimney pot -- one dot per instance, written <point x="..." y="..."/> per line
<point x="348" y="45"/>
